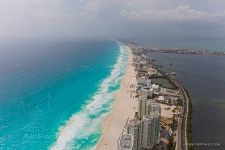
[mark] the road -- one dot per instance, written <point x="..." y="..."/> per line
<point x="182" y="127"/>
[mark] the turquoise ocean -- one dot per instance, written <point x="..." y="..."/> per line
<point x="56" y="94"/>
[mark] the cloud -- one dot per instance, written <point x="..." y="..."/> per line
<point x="178" y="14"/>
<point x="116" y="18"/>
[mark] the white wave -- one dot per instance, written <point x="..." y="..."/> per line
<point x="89" y="120"/>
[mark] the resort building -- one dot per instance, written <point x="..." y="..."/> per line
<point x="149" y="83"/>
<point x="161" y="99"/>
<point x="150" y="131"/>
<point x="142" y="106"/>
<point x="125" y="142"/>
<point x="133" y="128"/>
<point x="153" y="107"/>
<point x="142" y="81"/>
<point x="146" y="107"/>
<point x="149" y="127"/>
<point x="146" y="92"/>
<point x="165" y="91"/>
<point x="155" y="87"/>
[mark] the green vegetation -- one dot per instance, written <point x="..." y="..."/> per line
<point x="165" y="76"/>
<point x="179" y="102"/>
<point x="189" y="118"/>
<point x="174" y="125"/>
<point x="171" y="145"/>
<point x="162" y="83"/>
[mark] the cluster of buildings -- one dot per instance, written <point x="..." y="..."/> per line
<point x="187" y="51"/>
<point x="145" y="127"/>
<point x="145" y="131"/>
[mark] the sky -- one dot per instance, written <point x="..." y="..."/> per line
<point x="154" y="19"/>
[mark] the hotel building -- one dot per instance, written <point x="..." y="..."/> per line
<point x="133" y="128"/>
<point x="146" y="107"/>
<point x="150" y="130"/>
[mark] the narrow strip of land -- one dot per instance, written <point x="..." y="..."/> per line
<point x="150" y="70"/>
<point x="182" y="131"/>
<point x="185" y="51"/>
<point x="124" y="107"/>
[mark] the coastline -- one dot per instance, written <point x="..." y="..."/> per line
<point x="124" y="107"/>
<point x="91" y="116"/>
<point x="188" y="121"/>
<point x="184" y="133"/>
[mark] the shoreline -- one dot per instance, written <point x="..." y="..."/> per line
<point x="123" y="110"/>
<point x="184" y="131"/>
<point x="124" y="107"/>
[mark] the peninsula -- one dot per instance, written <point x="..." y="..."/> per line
<point x="152" y="109"/>
<point x="189" y="51"/>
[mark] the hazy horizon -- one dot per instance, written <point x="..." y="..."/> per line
<point x="129" y="19"/>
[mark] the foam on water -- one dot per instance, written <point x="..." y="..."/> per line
<point x="83" y="129"/>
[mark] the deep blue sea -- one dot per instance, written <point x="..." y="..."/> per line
<point x="55" y="94"/>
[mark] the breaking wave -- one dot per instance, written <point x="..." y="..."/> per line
<point x="83" y="129"/>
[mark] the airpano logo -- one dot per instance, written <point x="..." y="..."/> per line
<point x="36" y="130"/>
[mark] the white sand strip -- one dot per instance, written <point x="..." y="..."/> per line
<point x="124" y="107"/>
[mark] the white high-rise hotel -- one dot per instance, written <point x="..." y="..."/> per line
<point x="133" y="128"/>
<point x="146" y="129"/>
<point x="150" y="130"/>
<point x="147" y="106"/>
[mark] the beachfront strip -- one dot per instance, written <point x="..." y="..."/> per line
<point x="156" y="125"/>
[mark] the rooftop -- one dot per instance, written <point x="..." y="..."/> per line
<point x="126" y="142"/>
<point x="133" y="122"/>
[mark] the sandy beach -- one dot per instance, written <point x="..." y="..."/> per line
<point x="124" y="108"/>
